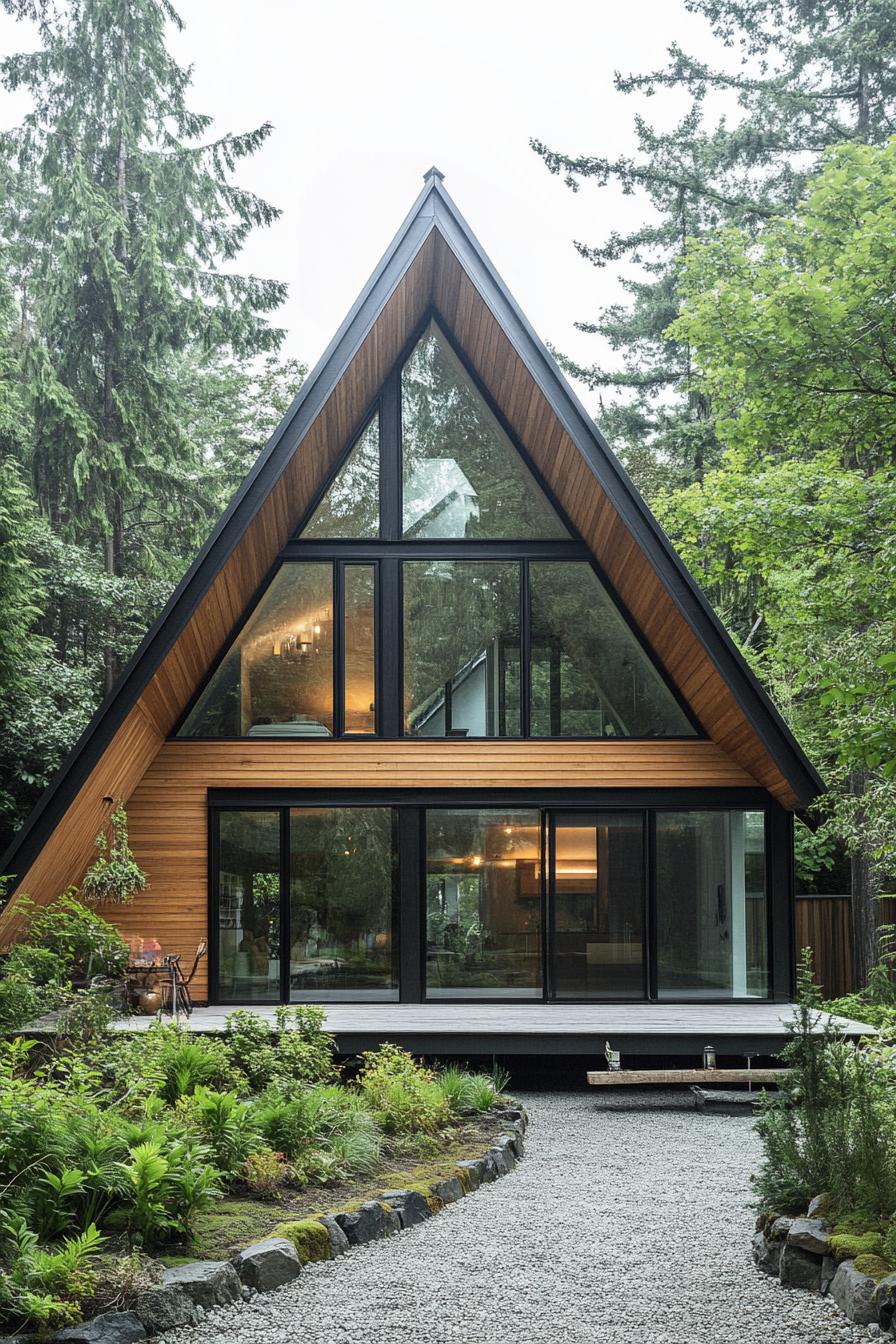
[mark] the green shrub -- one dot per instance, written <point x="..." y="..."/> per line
<point x="167" y="1061"/>
<point x="404" y="1096"/>
<point x="266" y="1172"/>
<point x="326" y="1131"/>
<point x="83" y="943"/>
<point x="465" y="1091"/>
<point x="40" y="1287"/>
<point x="828" y="1127"/>
<point x="310" y="1238"/>
<point x="296" y="1050"/>
<point x="226" y="1125"/>
<point x="170" y="1182"/>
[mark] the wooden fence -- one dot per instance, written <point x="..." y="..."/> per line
<point x="822" y="923"/>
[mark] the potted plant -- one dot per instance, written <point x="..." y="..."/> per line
<point x="114" y="877"/>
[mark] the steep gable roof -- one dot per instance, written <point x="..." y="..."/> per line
<point x="434" y="264"/>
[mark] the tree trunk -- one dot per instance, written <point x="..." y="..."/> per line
<point x="865" y="907"/>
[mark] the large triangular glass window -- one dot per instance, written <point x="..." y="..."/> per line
<point x="461" y="475"/>
<point x="351" y="506"/>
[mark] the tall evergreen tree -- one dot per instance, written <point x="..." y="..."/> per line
<point x="129" y="219"/>
<point x="810" y="73"/>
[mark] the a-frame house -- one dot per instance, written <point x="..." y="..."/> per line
<point x="438" y="713"/>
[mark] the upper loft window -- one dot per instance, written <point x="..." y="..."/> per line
<point x="461" y="475"/>
<point x="590" y="675"/>
<point x="351" y="506"/>
<point x="279" y="677"/>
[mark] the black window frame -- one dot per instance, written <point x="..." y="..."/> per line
<point x="390" y="550"/>
<point x="409" y="900"/>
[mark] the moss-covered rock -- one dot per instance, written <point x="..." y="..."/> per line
<point x="850" y="1246"/>
<point x="874" y="1266"/>
<point x="310" y="1238"/>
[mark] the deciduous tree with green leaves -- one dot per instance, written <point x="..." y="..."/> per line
<point x="794" y="337"/>
<point x="803" y="75"/>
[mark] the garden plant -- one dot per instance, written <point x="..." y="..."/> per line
<point x="829" y="1130"/>
<point x="114" y="1144"/>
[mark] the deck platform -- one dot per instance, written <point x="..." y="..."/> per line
<point x="460" y="1029"/>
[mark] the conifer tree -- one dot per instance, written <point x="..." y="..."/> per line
<point x="809" y="74"/>
<point x="126" y="226"/>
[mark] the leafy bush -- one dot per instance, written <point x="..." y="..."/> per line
<point x="171" y="1183"/>
<point x="296" y="1050"/>
<point x="466" y="1092"/>
<point x="404" y="1096"/>
<point x="167" y="1061"/>
<point x="40" y="1287"/>
<point x="83" y="943"/>
<point x="325" y="1131"/>
<point x="227" y="1126"/>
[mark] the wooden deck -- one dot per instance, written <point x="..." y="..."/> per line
<point x="543" y="1028"/>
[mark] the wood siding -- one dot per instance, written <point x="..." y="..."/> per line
<point x="823" y="923"/>
<point x="168" y="809"/>
<point x="70" y="848"/>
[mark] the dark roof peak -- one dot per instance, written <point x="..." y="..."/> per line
<point x="433" y="172"/>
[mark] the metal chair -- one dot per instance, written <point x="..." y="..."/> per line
<point x="178" y="989"/>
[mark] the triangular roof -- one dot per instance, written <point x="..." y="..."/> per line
<point x="434" y="265"/>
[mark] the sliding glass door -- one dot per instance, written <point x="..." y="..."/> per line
<point x="520" y="901"/>
<point x="483" y="903"/>
<point x="342" y="906"/>
<point x="596" y="902"/>
<point x="306" y="904"/>
<point x="711" y="906"/>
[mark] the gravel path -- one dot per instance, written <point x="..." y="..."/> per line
<point x="620" y="1224"/>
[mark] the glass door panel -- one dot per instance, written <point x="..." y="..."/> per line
<point x="596" y="896"/>
<point x="483" y="903"/>
<point x="248" y="902"/>
<point x="343" y="910"/>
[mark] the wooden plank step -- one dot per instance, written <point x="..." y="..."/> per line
<point x="638" y="1077"/>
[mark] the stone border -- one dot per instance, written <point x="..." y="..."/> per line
<point x="798" y="1251"/>
<point x="187" y="1292"/>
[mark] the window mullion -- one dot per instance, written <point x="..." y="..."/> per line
<point x="390" y="459"/>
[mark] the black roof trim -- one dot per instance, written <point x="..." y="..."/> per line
<point x="433" y="208"/>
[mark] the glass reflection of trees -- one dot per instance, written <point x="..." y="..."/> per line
<point x="342" y="900"/>
<point x="461" y="475"/>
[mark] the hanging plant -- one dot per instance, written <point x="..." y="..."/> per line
<point x="114" y="877"/>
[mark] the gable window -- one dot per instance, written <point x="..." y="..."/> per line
<point x="461" y="475"/>
<point x="351" y="505"/>
<point x="435" y="590"/>
<point x="276" y="680"/>
<point x="590" y="675"/>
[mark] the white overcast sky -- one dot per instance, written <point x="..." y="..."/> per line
<point x="364" y="97"/>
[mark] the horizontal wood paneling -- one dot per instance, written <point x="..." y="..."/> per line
<point x="70" y="848"/>
<point x="168" y="809"/>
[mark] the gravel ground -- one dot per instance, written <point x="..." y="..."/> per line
<point x="623" y="1222"/>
